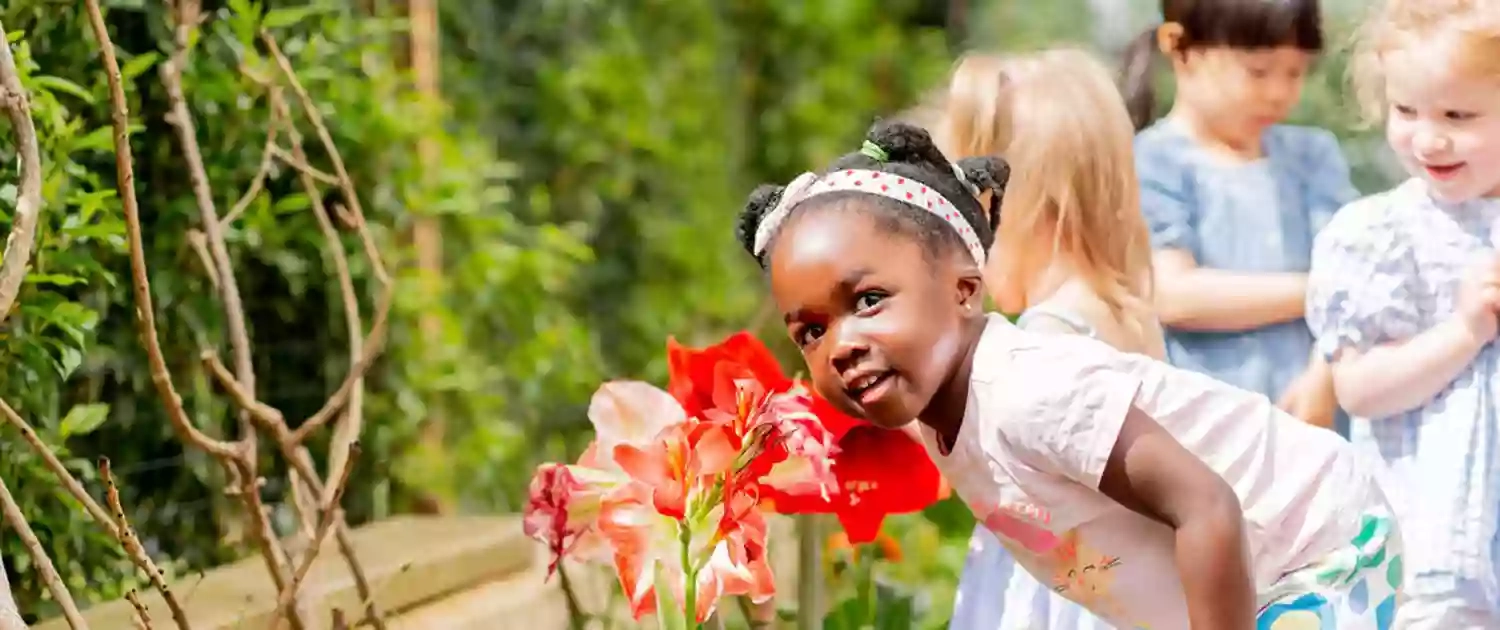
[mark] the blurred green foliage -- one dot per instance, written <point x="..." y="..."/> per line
<point x="591" y="158"/>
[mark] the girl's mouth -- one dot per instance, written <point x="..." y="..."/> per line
<point x="1443" y="172"/>
<point x="870" y="388"/>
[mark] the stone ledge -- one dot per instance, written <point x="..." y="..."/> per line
<point x="409" y="560"/>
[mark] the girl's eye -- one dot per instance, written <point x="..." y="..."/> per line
<point x="1458" y="116"/>
<point x="807" y="334"/>
<point x="1404" y="110"/>
<point x="868" y="300"/>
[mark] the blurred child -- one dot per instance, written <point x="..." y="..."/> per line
<point x="1233" y="197"/>
<point x="1403" y="296"/>
<point x="1071" y="255"/>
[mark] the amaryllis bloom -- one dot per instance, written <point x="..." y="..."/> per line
<point x="683" y="459"/>
<point x="631" y="412"/>
<point x="725" y="545"/>
<point x="671" y="487"/>
<point x="562" y="507"/>
<point x="738" y="383"/>
<point x="878" y="472"/>
<point x="703" y="378"/>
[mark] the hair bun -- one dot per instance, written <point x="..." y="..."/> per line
<point x="908" y="143"/>
<point x="989" y="173"/>
<point x="761" y="201"/>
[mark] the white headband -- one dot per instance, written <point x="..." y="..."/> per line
<point x="808" y="185"/>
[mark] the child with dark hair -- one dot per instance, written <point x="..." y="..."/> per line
<point x="1233" y="197"/>
<point x="1153" y="496"/>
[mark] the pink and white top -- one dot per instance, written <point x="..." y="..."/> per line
<point x="1043" y="416"/>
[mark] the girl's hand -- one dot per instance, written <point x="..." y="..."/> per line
<point x="1311" y="397"/>
<point x="1479" y="301"/>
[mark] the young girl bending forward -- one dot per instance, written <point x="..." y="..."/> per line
<point x="1403" y="295"/>
<point x="1153" y="496"/>
<point x="1072" y="256"/>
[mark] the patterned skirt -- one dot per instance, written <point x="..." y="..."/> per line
<point x="1354" y="588"/>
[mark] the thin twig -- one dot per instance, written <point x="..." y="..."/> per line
<point x="331" y="514"/>
<point x="144" y="310"/>
<point x="142" y="616"/>
<point x="300" y="163"/>
<point x="18" y="245"/>
<point x="181" y="119"/>
<point x="257" y="183"/>
<point x="59" y="470"/>
<point x="134" y="549"/>
<point x="351" y="422"/>
<point x="40" y="560"/>
<point x="351" y="196"/>
<point x="374" y="342"/>
<point x="302" y="463"/>
<point x="199" y="243"/>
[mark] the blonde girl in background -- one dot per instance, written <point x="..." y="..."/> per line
<point x="1403" y="295"/>
<point x="1071" y="255"/>
<point x="1234" y="197"/>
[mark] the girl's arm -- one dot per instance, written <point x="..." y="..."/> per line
<point x="1396" y="377"/>
<point x="1151" y="473"/>
<point x="1189" y="297"/>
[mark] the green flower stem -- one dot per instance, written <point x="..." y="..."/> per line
<point x="690" y="573"/>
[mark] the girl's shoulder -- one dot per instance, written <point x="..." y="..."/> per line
<point x="1300" y="142"/>
<point x="1387" y="217"/>
<point x="1164" y="144"/>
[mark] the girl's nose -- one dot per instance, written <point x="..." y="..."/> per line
<point x="1431" y="142"/>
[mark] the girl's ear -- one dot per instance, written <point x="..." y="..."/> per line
<point x="970" y="291"/>
<point x="1169" y="38"/>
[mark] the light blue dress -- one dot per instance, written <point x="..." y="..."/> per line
<point x="1259" y="216"/>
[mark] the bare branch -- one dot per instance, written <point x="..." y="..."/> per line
<point x="39" y="558"/>
<point x="374" y="342"/>
<point x="332" y="514"/>
<point x="61" y="472"/>
<point x="237" y="457"/>
<point x="181" y="119"/>
<point x="142" y="616"/>
<point x="17" y="106"/>
<point x="144" y="310"/>
<point x="134" y="549"/>
<point x="199" y="243"/>
<point x="258" y="183"/>
<point x="300" y="163"/>
<point x="346" y="184"/>
<point x="347" y="430"/>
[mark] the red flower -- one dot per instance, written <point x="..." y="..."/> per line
<point x="703" y="379"/>
<point x="878" y="472"/>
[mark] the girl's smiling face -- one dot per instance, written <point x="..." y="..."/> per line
<point x="878" y="317"/>
<point x="1444" y="123"/>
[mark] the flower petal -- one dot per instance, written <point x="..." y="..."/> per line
<point x="714" y="450"/>
<point x="631" y="412"/>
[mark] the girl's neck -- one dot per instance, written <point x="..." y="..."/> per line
<point x="1058" y="273"/>
<point x="945" y="413"/>
<point x="1201" y="130"/>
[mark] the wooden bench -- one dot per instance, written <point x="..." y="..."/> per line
<point x="427" y="572"/>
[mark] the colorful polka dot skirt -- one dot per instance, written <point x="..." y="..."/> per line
<point x="1355" y="588"/>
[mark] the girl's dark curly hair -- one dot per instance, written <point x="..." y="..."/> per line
<point x="910" y="153"/>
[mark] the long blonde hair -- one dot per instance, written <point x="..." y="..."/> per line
<point x="1475" y="25"/>
<point x="1059" y="120"/>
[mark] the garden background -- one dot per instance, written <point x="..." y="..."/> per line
<point x="561" y="207"/>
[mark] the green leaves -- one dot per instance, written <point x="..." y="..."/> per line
<point x="82" y="419"/>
